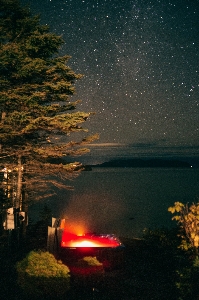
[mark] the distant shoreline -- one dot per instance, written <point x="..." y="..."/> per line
<point x="141" y="163"/>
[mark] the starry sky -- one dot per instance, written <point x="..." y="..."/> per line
<point x="140" y="62"/>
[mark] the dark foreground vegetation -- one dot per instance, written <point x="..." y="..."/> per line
<point x="149" y="268"/>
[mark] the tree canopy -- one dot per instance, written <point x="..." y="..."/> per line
<point x="37" y="116"/>
<point x="187" y="217"/>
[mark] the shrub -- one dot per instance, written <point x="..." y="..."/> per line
<point x="187" y="281"/>
<point x="87" y="271"/>
<point x="41" y="275"/>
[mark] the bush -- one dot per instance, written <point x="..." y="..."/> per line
<point x="187" y="281"/>
<point x="41" y="275"/>
<point x="87" y="271"/>
<point x="88" y="261"/>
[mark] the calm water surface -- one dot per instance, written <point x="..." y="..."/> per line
<point x="123" y="201"/>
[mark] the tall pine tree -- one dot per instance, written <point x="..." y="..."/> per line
<point x="36" y="114"/>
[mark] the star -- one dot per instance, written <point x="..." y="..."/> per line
<point x="140" y="65"/>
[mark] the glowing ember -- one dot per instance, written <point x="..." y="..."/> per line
<point x="70" y="240"/>
<point x="84" y="244"/>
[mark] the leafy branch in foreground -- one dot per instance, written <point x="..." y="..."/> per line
<point x="187" y="217"/>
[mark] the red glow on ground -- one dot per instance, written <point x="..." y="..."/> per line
<point x="70" y="240"/>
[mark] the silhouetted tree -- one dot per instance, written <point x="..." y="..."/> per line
<point x="36" y="114"/>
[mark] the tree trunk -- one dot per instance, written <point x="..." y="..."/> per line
<point x="3" y="115"/>
<point x="19" y="184"/>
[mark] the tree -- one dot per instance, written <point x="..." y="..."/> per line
<point x="36" y="114"/>
<point x="187" y="218"/>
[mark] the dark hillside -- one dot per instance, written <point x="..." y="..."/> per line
<point x="144" y="163"/>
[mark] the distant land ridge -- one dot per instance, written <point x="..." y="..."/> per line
<point x="144" y="163"/>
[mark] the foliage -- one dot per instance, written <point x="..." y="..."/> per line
<point x="37" y="116"/>
<point x="87" y="271"/>
<point x="160" y="238"/>
<point x="187" y="281"/>
<point x="88" y="261"/>
<point x="40" y="274"/>
<point x="187" y="217"/>
<point x="46" y="215"/>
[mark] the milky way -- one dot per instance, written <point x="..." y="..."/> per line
<point x="140" y="62"/>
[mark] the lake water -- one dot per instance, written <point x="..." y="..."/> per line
<point x="123" y="201"/>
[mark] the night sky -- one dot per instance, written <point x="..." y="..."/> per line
<point x="140" y="62"/>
